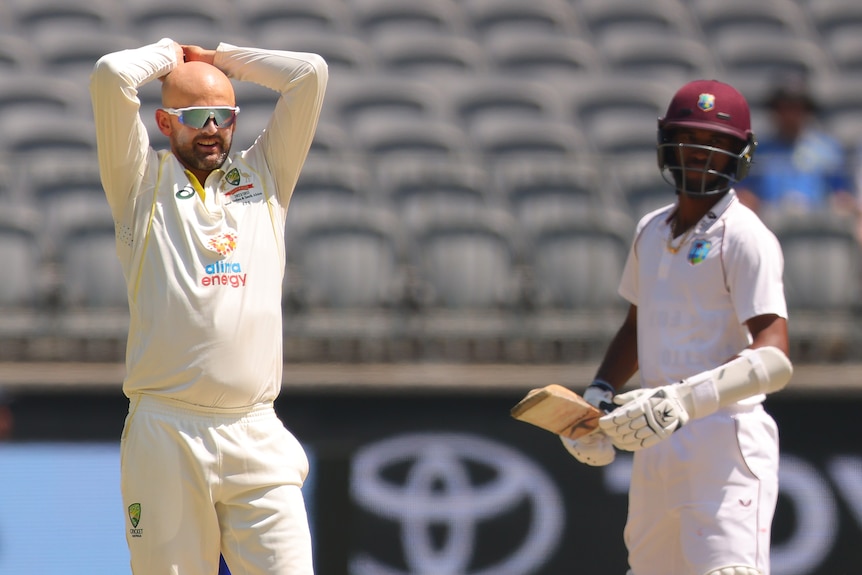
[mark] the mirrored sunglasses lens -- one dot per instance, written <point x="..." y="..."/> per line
<point x="194" y="118"/>
<point x="223" y="117"/>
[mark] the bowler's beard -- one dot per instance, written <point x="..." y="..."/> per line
<point x="194" y="156"/>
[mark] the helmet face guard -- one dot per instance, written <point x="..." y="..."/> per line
<point x="712" y="106"/>
<point x="716" y="175"/>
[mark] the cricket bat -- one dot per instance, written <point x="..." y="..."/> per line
<point x="559" y="410"/>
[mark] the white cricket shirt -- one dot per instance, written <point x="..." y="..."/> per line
<point x="204" y="275"/>
<point x="693" y="304"/>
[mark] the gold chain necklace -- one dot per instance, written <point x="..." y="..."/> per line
<point x="675" y="248"/>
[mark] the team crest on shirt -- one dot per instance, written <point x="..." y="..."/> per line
<point x="706" y="102"/>
<point x="239" y="187"/>
<point x="233" y="177"/>
<point x="699" y="251"/>
<point x="135" y="518"/>
<point x="223" y="244"/>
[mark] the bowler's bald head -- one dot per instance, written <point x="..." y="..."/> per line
<point x="197" y="84"/>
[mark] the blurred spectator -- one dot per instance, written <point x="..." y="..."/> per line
<point x="798" y="167"/>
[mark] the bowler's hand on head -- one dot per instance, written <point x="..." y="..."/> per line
<point x="198" y="54"/>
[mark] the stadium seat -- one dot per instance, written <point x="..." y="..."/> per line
<point x="26" y="138"/>
<point x="668" y="17"/>
<point x="467" y="261"/>
<point x="351" y="98"/>
<point x="575" y="269"/>
<point x="467" y="272"/>
<point x="538" y="191"/>
<point x="618" y="113"/>
<point x="541" y="16"/>
<point x="22" y="294"/>
<point x="523" y="54"/>
<point x="348" y="259"/>
<point x="73" y="54"/>
<point x="615" y="94"/>
<point x="642" y="187"/>
<point x="57" y="17"/>
<point x="155" y="19"/>
<point x="16" y="56"/>
<point x="764" y="55"/>
<point x="418" y="188"/>
<point x="271" y="18"/>
<point x="506" y="97"/>
<point x="331" y="140"/>
<point x="656" y="54"/>
<point x="428" y="55"/>
<point x="93" y="315"/>
<point x="501" y="139"/>
<point x="839" y="99"/>
<point x="256" y="105"/>
<point x="844" y="45"/>
<point x="68" y="191"/>
<point x="406" y="137"/>
<point x="822" y="283"/>
<point x="742" y="17"/>
<point x="32" y="94"/>
<point x="344" y="53"/>
<point x="418" y="17"/>
<point x="830" y="16"/>
<point x="19" y="229"/>
<point x="345" y="285"/>
<point x="330" y="185"/>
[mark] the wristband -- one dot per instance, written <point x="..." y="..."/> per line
<point x="603" y="385"/>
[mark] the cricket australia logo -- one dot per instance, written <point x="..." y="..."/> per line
<point x="233" y="177"/>
<point x="223" y="244"/>
<point x="238" y="191"/>
<point x="135" y="518"/>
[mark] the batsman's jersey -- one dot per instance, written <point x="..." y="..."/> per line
<point x="694" y="293"/>
<point x="204" y="261"/>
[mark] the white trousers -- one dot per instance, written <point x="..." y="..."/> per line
<point x="197" y="482"/>
<point x="705" y="497"/>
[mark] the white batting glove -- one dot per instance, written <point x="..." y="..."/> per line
<point x="596" y="448"/>
<point x="645" y="417"/>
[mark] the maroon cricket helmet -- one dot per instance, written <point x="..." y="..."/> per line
<point x="707" y="105"/>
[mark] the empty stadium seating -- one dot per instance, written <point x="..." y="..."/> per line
<point x="472" y="159"/>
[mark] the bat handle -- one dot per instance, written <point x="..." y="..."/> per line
<point x="607" y="407"/>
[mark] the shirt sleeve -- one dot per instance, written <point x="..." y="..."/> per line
<point x="754" y="266"/>
<point x="121" y="136"/>
<point x="300" y="78"/>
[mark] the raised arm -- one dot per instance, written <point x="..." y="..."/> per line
<point x="121" y="136"/>
<point x="300" y="78"/>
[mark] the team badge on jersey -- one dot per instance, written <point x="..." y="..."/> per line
<point x="233" y="177"/>
<point x="135" y="514"/>
<point x="706" y="102"/>
<point x="699" y="251"/>
<point x="224" y="244"/>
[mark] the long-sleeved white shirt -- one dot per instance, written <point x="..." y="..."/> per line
<point x="204" y="274"/>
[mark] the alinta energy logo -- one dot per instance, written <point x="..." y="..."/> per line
<point x="449" y="496"/>
<point x="135" y="518"/>
<point x="223" y="273"/>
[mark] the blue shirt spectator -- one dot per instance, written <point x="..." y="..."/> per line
<point x="798" y="167"/>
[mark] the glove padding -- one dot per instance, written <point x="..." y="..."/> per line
<point x="645" y="417"/>
<point x="596" y="448"/>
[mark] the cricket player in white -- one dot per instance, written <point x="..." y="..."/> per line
<point x="704" y="280"/>
<point x="207" y="466"/>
